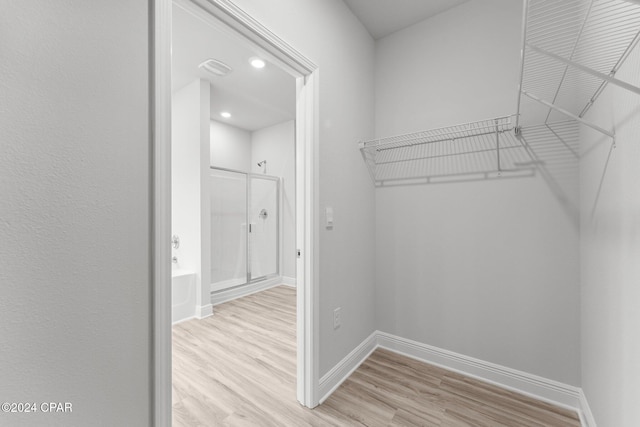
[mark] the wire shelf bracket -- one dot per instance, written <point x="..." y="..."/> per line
<point x="571" y="51"/>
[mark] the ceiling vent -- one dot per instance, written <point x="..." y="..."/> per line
<point x="215" y="67"/>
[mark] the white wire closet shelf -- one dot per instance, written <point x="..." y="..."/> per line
<point x="572" y="50"/>
<point x="478" y="150"/>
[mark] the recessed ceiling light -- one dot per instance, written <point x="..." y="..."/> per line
<point x="226" y="114"/>
<point x="257" y="62"/>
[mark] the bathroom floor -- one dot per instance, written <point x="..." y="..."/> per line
<point x="238" y="367"/>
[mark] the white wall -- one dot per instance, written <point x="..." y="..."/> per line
<point x="610" y="254"/>
<point x="276" y="144"/>
<point x="328" y="34"/>
<point x="74" y="212"/>
<point x="190" y="218"/>
<point x="460" y="66"/>
<point x="185" y="175"/>
<point x="488" y="269"/>
<point x="230" y="147"/>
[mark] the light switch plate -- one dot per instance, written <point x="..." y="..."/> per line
<point x="329" y="217"/>
<point x="337" y="314"/>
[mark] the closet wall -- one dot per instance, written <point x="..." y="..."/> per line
<point x="488" y="269"/>
<point x="329" y="35"/>
<point x="610" y="254"/>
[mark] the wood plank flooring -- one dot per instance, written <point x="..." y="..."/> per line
<point x="237" y="368"/>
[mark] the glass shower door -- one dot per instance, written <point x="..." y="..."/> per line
<point x="263" y="226"/>
<point x="228" y="197"/>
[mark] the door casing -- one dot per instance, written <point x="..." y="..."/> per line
<point x="246" y="28"/>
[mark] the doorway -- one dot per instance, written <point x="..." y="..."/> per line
<point x="242" y="26"/>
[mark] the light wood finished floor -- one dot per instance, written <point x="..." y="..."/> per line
<point x="237" y="368"/>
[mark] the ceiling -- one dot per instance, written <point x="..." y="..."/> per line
<point x="383" y="17"/>
<point x="261" y="98"/>
<point x="256" y="98"/>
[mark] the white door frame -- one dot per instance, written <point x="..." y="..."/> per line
<point x="306" y="73"/>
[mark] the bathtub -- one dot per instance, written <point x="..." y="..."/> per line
<point x="183" y="295"/>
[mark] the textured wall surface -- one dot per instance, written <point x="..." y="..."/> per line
<point x="74" y="216"/>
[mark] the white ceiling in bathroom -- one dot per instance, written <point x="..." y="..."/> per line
<point x="383" y="17"/>
<point x="255" y="98"/>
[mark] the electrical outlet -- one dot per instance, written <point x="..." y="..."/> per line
<point x="337" y="317"/>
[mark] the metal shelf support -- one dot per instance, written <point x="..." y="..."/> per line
<point x="569" y="114"/>
<point x="587" y="70"/>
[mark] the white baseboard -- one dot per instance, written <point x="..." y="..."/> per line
<point x="340" y="372"/>
<point x="227" y="295"/>
<point x="586" y="416"/>
<point x="540" y="388"/>
<point x="203" y="311"/>
<point x="289" y="281"/>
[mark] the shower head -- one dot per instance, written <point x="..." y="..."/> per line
<point x="264" y="162"/>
